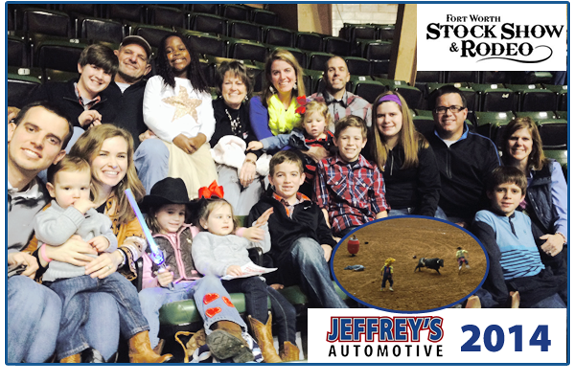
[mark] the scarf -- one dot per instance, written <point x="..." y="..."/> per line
<point x="282" y="121"/>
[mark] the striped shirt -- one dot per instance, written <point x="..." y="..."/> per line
<point x="519" y="254"/>
<point x="352" y="194"/>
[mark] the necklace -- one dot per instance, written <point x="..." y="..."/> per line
<point x="235" y="123"/>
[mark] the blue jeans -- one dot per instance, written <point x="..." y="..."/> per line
<point x="102" y="329"/>
<point x="152" y="160"/>
<point x="72" y="339"/>
<point x="307" y="256"/>
<point x="33" y="316"/>
<point x="398" y="212"/>
<point x="154" y="298"/>
<point x="552" y="302"/>
<point x="285" y="316"/>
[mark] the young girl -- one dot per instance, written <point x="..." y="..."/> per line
<point x="167" y="207"/>
<point x="311" y="132"/>
<point x="216" y="251"/>
<point x="178" y="110"/>
<point x="412" y="182"/>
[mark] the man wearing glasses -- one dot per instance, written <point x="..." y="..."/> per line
<point x="464" y="158"/>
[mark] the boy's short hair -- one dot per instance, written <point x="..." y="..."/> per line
<point x="100" y="56"/>
<point x="285" y="156"/>
<point x="506" y="175"/>
<point x="350" y="122"/>
<point x="68" y="163"/>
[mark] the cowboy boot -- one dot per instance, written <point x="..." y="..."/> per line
<point x="141" y="351"/>
<point x="226" y="341"/>
<point x="76" y="358"/>
<point x="289" y="352"/>
<point x="263" y="334"/>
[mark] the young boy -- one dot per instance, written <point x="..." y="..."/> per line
<point x="349" y="189"/>
<point x="301" y="240"/>
<point x="82" y="99"/>
<point x="72" y="213"/>
<point x="515" y="261"/>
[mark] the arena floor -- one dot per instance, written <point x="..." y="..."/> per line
<point x="402" y="238"/>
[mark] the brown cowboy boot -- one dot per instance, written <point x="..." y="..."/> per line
<point x="226" y="341"/>
<point x="289" y="352"/>
<point x="141" y="351"/>
<point x="76" y="358"/>
<point x="264" y="337"/>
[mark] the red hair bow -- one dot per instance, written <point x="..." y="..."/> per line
<point x="211" y="191"/>
<point x="302" y="101"/>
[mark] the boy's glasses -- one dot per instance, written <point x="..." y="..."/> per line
<point x="453" y="109"/>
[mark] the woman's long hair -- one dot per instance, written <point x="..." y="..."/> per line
<point x="88" y="146"/>
<point x="282" y="54"/>
<point x="537" y="158"/>
<point x="409" y="139"/>
<point x="194" y="73"/>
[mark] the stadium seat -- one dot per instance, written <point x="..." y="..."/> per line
<point x="209" y="8"/>
<point x="318" y="60"/>
<point x="258" y="76"/>
<point x="18" y="52"/>
<point x="235" y="12"/>
<point x="358" y="66"/>
<point x="488" y="123"/>
<point x="247" y="50"/>
<point x="560" y="156"/>
<point x="53" y="23"/>
<point x="309" y="41"/>
<point x="495" y="77"/>
<point x="208" y="44"/>
<point x="277" y="36"/>
<point x="208" y="23"/>
<point x="129" y="12"/>
<point x="424" y="124"/>
<point x="412" y="95"/>
<point x="244" y="30"/>
<point x="368" y="89"/>
<point x="462" y="76"/>
<point x="367" y="32"/>
<point x="264" y="17"/>
<point x="300" y="56"/>
<point x="19" y="87"/>
<point x="85" y="9"/>
<point x="376" y="50"/>
<point x="429" y="76"/>
<point x="379" y="67"/>
<point x="312" y="79"/>
<point x="385" y="32"/>
<point x="59" y="55"/>
<point x="554" y="134"/>
<point x="97" y="29"/>
<point x="495" y="98"/>
<point x="336" y="46"/>
<point x="168" y="17"/>
<point x="153" y="34"/>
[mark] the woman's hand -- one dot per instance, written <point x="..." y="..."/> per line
<point x="248" y="170"/>
<point x="23" y="258"/>
<point x="317" y="153"/>
<point x="234" y="270"/>
<point x="90" y="118"/>
<point x="73" y="252"/>
<point x="165" y="277"/>
<point x="553" y="243"/>
<point x="255" y="145"/>
<point x="104" y="265"/>
<point x="197" y="141"/>
<point x="147" y="134"/>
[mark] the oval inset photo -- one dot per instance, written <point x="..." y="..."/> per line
<point x="409" y="264"/>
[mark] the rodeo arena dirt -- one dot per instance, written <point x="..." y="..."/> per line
<point x="407" y="240"/>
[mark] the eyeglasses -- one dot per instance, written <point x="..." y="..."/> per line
<point x="453" y="109"/>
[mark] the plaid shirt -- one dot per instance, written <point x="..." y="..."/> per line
<point x="352" y="195"/>
<point x="350" y="104"/>
<point x="90" y="103"/>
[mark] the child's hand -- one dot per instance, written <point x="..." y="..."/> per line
<point x="254" y="234"/>
<point x="255" y="145"/>
<point x="83" y="205"/>
<point x="276" y="286"/>
<point x="99" y="243"/>
<point x="90" y="118"/>
<point x="234" y="270"/>
<point x="165" y="277"/>
<point x="147" y="134"/>
<point x="263" y="219"/>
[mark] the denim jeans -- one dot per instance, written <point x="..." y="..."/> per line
<point x="72" y="339"/>
<point x="102" y="329"/>
<point x="285" y="316"/>
<point x="398" y="212"/>
<point x="152" y="160"/>
<point x="242" y="199"/>
<point x="153" y="299"/>
<point x="552" y="302"/>
<point x="307" y="256"/>
<point x="33" y="318"/>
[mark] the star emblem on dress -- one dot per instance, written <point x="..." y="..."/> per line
<point x="183" y="104"/>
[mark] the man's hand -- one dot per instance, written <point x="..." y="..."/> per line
<point x="22" y="258"/>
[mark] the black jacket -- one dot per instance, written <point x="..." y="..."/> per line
<point x="415" y="187"/>
<point x="63" y="94"/>
<point x="464" y="168"/>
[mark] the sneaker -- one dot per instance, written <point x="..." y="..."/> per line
<point x="390" y="289"/>
<point x="467" y="266"/>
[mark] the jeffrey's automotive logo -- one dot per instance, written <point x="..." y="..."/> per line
<point x="473" y="27"/>
<point x="498" y="37"/>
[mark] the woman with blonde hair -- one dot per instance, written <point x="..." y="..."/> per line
<point x="412" y="182"/>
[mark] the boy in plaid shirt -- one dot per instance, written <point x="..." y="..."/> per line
<point x="348" y="188"/>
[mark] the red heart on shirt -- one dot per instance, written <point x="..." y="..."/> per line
<point x="227" y="301"/>
<point x="209" y="298"/>
<point x="213" y="311"/>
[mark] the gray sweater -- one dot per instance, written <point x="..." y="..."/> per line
<point x="213" y="254"/>
<point x="54" y="226"/>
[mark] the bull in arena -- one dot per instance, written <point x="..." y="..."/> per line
<point x="429" y="263"/>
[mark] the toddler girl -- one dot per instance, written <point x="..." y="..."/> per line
<point x="216" y="251"/>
